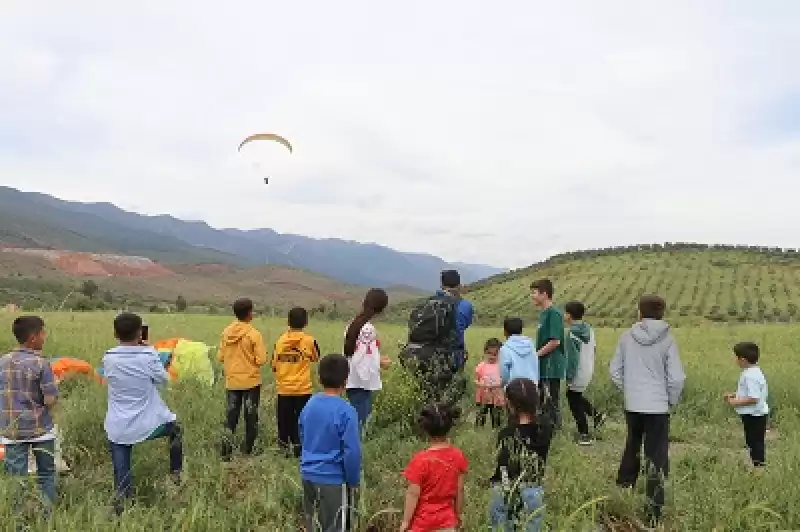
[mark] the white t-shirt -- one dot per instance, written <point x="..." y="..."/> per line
<point x="365" y="364"/>
<point x="753" y="384"/>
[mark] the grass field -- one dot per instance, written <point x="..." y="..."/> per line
<point x="710" y="486"/>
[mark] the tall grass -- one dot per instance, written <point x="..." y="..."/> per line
<point x="710" y="487"/>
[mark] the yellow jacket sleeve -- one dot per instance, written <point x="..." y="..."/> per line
<point x="259" y="349"/>
<point x="221" y="349"/>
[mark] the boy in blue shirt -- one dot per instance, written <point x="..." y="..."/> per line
<point x="750" y="401"/>
<point x="330" y="461"/>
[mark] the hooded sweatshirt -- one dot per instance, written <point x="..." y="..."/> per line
<point x="580" y="347"/>
<point x="647" y="368"/>
<point x="242" y="353"/>
<point x="518" y="360"/>
<point x="295" y="351"/>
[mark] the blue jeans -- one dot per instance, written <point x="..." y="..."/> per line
<point x="531" y="515"/>
<point x="16" y="464"/>
<point x="361" y="400"/>
<point x="121" y="460"/>
<point x="459" y="360"/>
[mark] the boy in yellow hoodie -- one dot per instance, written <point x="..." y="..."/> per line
<point x="295" y="351"/>
<point x="242" y="354"/>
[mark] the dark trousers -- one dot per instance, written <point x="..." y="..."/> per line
<point x="491" y="411"/>
<point x="653" y="430"/>
<point x="581" y="410"/>
<point x="288" y="414"/>
<point x="755" y="431"/>
<point x="121" y="461"/>
<point x="328" y="507"/>
<point x="235" y="400"/>
<point x="551" y="399"/>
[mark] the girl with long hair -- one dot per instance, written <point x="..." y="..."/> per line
<point x="362" y="349"/>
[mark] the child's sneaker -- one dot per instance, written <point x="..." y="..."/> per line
<point x="599" y="420"/>
<point x="585" y="440"/>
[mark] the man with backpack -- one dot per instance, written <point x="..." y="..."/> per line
<point x="436" y="347"/>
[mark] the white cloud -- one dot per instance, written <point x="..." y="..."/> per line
<point x="481" y="133"/>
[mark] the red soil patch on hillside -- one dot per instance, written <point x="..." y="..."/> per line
<point x="96" y="264"/>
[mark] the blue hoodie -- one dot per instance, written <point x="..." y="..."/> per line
<point x="330" y="439"/>
<point x="518" y="360"/>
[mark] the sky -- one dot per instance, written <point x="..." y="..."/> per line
<point x="497" y="133"/>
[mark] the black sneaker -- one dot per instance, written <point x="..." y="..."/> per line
<point x="599" y="420"/>
<point x="585" y="440"/>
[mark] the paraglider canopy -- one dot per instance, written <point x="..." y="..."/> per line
<point x="266" y="136"/>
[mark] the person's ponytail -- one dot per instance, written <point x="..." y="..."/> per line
<point x="375" y="302"/>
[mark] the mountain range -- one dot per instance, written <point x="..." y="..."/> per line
<point x="40" y="221"/>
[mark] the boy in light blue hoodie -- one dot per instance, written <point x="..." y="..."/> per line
<point x="518" y="358"/>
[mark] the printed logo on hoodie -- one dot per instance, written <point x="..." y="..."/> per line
<point x="295" y="352"/>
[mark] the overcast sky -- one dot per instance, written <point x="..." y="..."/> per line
<point x="496" y="132"/>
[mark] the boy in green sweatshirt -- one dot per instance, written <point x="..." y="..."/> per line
<point x="580" y="348"/>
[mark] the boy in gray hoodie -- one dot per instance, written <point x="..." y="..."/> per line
<point x="647" y="368"/>
<point x="580" y="347"/>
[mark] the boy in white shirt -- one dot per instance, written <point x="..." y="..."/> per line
<point x="750" y="401"/>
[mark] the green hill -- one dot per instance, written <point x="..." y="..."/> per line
<point x="700" y="283"/>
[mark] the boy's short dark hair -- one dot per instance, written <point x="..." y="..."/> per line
<point x="26" y="326"/>
<point x="438" y="418"/>
<point x="748" y="351"/>
<point x="652" y="307"/>
<point x="544" y="286"/>
<point x="127" y="326"/>
<point x="333" y="371"/>
<point x="575" y="309"/>
<point x="513" y="326"/>
<point x="298" y="318"/>
<point x="242" y="308"/>
<point x="451" y="279"/>
<point x="492" y="343"/>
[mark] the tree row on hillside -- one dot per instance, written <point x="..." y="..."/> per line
<point x="767" y="252"/>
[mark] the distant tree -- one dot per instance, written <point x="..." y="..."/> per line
<point x="89" y="289"/>
<point x="180" y="304"/>
<point x="81" y="304"/>
<point x="108" y="297"/>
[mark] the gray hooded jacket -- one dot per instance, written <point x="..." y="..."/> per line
<point x="647" y="368"/>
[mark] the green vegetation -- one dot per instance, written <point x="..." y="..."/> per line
<point x="710" y="487"/>
<point x="722" y="284"/>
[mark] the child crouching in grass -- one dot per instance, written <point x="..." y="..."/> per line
<point x="136" y="412"/>
<point x="517" y="491"/>
<point x="750" y="401"/>
<point x="435" y="495"/>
